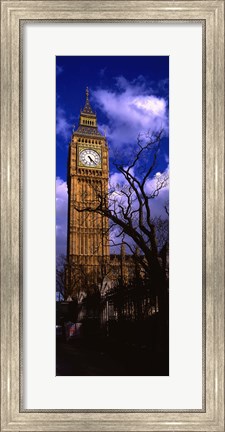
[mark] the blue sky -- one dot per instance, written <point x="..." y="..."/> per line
<point x="130" y="96"/>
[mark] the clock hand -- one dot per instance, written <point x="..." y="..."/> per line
<point x="92" y="160"/>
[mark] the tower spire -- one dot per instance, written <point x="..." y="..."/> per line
<point x="88" y="119"/>
<point x="87" y="108"/>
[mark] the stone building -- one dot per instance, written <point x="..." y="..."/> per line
<point x="88" y="173"/>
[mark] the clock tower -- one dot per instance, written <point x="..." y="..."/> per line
<point x="88" y="173"/>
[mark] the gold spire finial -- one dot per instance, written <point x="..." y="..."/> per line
<point x="87" y="92"/>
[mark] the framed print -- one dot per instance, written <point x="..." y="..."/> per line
<point x="112" y="215"/>
<point x="105" y="320"/>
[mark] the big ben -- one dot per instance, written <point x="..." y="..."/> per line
<point x="88" y="173"/>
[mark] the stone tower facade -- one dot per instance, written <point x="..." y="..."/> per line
<point x="88" y="173"/>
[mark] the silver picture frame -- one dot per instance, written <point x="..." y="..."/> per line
<point x="13" y="15"/>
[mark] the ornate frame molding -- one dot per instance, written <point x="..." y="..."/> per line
<point x="13" y="13"/>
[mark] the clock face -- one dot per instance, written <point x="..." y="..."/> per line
<point x="90" y="158"/>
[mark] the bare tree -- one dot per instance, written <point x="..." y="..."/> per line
<point x="61" y="285"/>
<point x="72" y="278"/>
<point x="129" y="209"/>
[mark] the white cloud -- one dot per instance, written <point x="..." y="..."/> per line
<point x="157" y="204"/>
<point x="61" y="216"/>
<point x="63" y="128"/>
<point x="115" y="179"/>
<point x="131" y="109"/>
<point x="59" y="70"/>
<point x="102" y="72"/>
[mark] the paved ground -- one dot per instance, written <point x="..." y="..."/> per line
<point x="79" y="358"/>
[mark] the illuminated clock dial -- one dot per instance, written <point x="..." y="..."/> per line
<point x="90" y="158"/>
